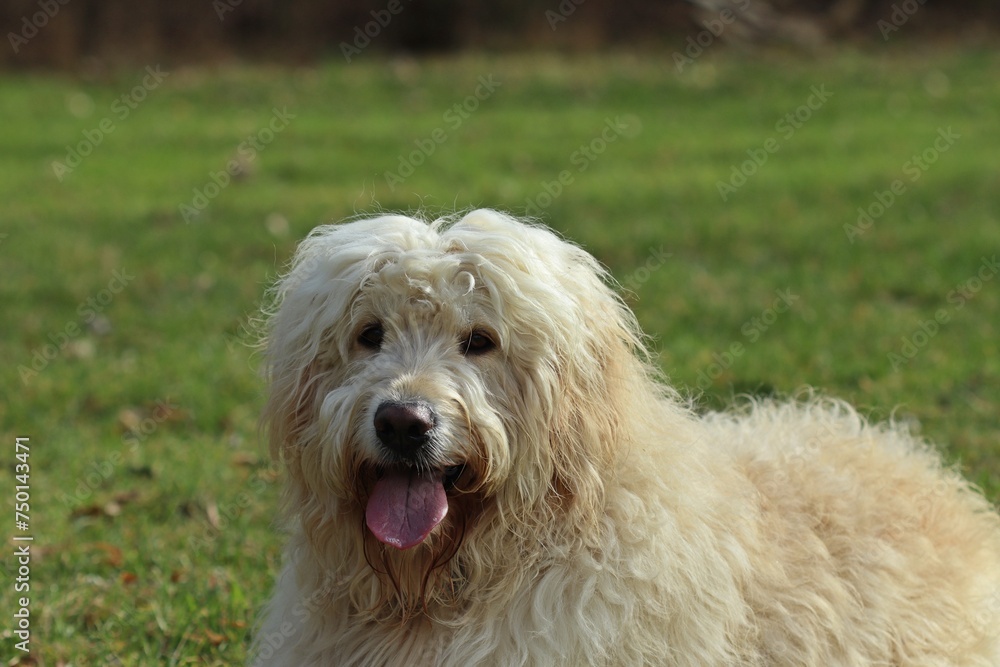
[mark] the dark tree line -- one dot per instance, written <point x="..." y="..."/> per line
<point x="74" y="33"/>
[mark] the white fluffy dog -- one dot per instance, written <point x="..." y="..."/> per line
<point x="483" y="469"/>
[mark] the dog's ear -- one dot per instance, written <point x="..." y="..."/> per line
<point x="580" y="352"/>
<point x="314" y="309"/>
<point x="304" y="337"/>
<point x="599" y="384"/>
<point x="291" y="405"/>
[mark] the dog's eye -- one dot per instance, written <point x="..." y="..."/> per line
<point x="478" y="342"/>
<point x="371" y="336"/>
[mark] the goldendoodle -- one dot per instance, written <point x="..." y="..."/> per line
<point x="484" y="468"/>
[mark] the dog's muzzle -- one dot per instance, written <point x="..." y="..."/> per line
<point x="409" y="498"/>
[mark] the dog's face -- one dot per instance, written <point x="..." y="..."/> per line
<point x="433" y="385"/>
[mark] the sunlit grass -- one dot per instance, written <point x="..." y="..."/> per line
<point x="152" y="501"/>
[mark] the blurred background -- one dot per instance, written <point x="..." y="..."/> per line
<point x="789" y="194"/>
<point x="92" y="34"/>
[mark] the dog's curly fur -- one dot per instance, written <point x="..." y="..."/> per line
<point x="592" y="517"/>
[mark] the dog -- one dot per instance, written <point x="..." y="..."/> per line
<point x="485" y="468"/>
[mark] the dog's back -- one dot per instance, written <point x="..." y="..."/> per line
<point x="870" y="551"/>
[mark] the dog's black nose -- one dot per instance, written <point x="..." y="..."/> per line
<point x="404" y="428"/>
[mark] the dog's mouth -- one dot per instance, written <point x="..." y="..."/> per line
<point x="407" y="503"/>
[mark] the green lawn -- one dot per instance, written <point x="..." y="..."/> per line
<point x="124" y="325"/>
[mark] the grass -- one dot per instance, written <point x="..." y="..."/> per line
<point x="152" y="501"/>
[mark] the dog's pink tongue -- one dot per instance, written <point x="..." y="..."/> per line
<point x="405" y="506"/>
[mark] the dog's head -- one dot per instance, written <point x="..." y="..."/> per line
<point x="439" y="389"/>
